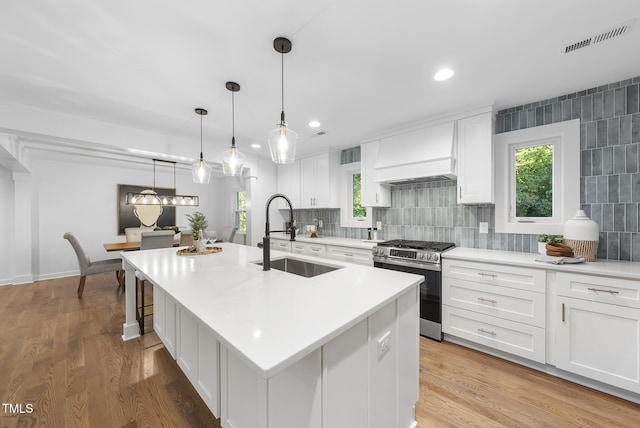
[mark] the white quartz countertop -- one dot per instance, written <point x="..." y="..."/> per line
<point x="330" y="240"/>
<point x="614" y="268"/>
<point x="270" y="319"/>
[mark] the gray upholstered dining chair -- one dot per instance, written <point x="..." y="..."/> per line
<point x="149" y="241"/>
<point x="229" y="233"/>
<point x="156" y="239"/>
<point x="87" y="267"/>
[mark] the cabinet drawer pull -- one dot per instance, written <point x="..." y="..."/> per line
<point x="315" y="249"/>
<point x="490" y="275"/>
<point x="602" y="290"/>
<point x="482" y="299"/>
<point x="563" y="312"/>
<point x="482" y="330"/>
<point x="348" y="255"/>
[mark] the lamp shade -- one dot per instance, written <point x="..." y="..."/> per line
<point x="282" y="144"/>
<point x="201" y="172"/>
<point x="232" y="161"/>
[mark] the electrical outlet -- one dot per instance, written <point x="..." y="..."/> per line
<point x="378" y="225"/>
<point x="484" y="227"/>
<point x="384" y="345"/>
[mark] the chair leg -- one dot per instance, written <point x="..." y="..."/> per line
<point x="120" y="275"/>
<point x="83" y="278"/>
<point x="142" y="307"/>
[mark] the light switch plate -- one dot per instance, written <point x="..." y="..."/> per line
<point x="484" y="227"/>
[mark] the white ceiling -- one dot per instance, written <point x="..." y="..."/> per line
<point x="360" y="67"/>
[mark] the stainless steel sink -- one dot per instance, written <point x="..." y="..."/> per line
<point x="300" y="267"/>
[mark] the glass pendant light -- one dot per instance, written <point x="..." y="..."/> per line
<point x="200" y="170"/>
<point x="282" y="140"/>
<point x="232" y="159"/>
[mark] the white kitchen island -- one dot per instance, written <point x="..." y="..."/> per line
<point x="274" y="349"/>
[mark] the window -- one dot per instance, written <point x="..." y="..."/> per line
<point x="241" y="211"/>
<point x="532" y="194"/>
<point x="352" y="213"/>
<point x="537" y="178"/>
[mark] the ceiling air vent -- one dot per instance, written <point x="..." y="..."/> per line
<point x="318" y="134"/>
<point x="618" y="30"/>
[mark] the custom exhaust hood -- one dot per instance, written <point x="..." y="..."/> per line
<point x="423" y="155"/>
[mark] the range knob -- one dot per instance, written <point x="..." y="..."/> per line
<point x="428" y="256"/>
<point x="435" y="257"/>
<point x="420" y="255"/>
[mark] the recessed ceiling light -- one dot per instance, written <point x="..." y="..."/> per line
<point x="256" y="146"/>
<point x="443" y="74"/>
<point x="314" y="124"/>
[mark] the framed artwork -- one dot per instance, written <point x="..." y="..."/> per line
<point x="127" y="216"/>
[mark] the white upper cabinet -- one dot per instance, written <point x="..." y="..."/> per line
<point x="320" y="181"/>
<point x="289" y="184"/>
<point x="475" y="159"/>
<point x="373" y="194"/>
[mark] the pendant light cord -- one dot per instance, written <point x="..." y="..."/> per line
<point x="201" y="136"/>
<point x="233" y="120"/>
<point x="282" y="85"/>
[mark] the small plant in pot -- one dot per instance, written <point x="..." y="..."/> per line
<point x="198" y="223"/>
<point x="543" y="240"/>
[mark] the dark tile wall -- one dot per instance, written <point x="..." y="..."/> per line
<point x="609" y="183"/>
<point x="609" y="156"/>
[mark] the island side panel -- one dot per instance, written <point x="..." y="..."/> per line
<point x="345" y="378"/>
<point x="408" y="345"/>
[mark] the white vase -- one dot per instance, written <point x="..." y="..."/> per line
<point x="581" y="228"/>
<point x="582" y="235"/>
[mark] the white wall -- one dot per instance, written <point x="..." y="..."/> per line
<point x="80" y="196"/>
<point x="6" y="232"/>
<point x="78" y="193"/>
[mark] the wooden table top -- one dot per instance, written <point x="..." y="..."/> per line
<point x="127" y="246"/>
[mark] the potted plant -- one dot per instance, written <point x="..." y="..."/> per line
<point x="198" y="223"/>
<point x="543" y="240"/>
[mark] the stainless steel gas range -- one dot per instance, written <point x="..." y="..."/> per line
<point x="422" y="258"/>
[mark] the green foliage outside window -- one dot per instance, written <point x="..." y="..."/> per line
<point x="358" y="210"/>
<point x="241" y="211"/>
<point x="534" y="181"/>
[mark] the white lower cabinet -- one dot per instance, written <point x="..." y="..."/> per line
<point x="335" y="252"/>
<point x="497" y="306"/>
<point x="349" y="254"/>
<point x="598" y="334"/>
<point x="515" y="338"/>
<point x="308" y="249"/>
<point x="197" y="354"/>
<point x="164" y="319"/>
<point x="280" y="245"/>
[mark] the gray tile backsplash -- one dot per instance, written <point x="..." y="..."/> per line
<point x="609" y="180"/>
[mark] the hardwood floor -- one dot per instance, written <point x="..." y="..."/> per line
<point x="64" y="358"/>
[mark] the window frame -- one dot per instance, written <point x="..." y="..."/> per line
<point x="238" y="211"/>
<point x="566" y="177"/>
<point x="347" y="171"/>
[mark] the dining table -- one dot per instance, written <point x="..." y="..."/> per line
<point x="127" y="246"/>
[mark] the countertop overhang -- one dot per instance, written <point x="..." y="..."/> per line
<point x="270" y="319"/>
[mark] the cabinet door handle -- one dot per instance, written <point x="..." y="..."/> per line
<point x="490" y="275"/>
<point x="460" y="192"/>
<point x="377" y="198"/>
<point x="602" y="290"/>
<point x="563" y="312"/>
<point x="482" y="330"/>
<point x="482" y="299"/>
